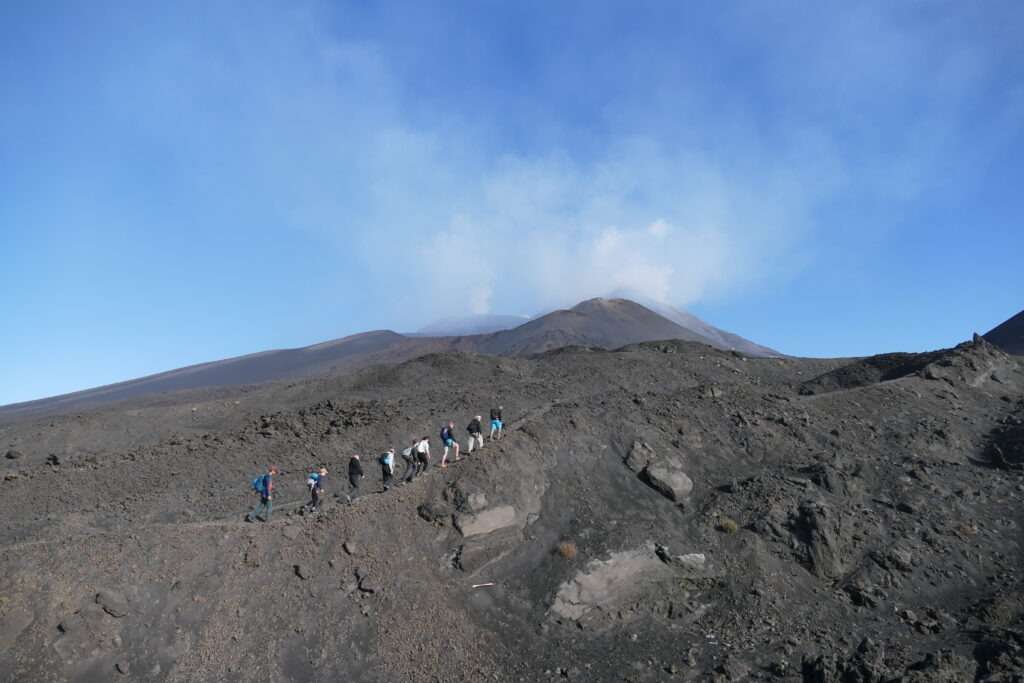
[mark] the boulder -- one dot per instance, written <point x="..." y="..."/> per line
<point x="13" y="454"/>
<point x="605" y="583"/>
<point x="486" y="521"/>
<point x="640" y="455"/>
<point x="692" y="560"/>
<point x="821" y="530"/>
<point x="113" y="603"/>
<point x="435" y="511"/>
<point x="668" y="479"/>
<point x="476" y="502"/>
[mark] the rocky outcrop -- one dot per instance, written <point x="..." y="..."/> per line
<point x="486" y="521"/>
<point x="664" y="473"/>
<point x="669" y="479"/>
<point x="604" y="583"/>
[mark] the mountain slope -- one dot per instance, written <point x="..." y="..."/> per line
<point x="1010" y="335"/>
<point x="249" y="369"/>
<point x="471" y="325"/>
<point x="658" y="514"/>
<point x="604" y="323"/>
<point x="717" y="337"/>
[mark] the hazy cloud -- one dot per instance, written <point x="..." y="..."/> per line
<point x="443" y="213"/>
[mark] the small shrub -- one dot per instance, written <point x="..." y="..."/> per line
<point x="727" y="525"/>
<point x="567" y="549"/>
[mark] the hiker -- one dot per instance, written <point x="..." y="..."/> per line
<point x="315" y="483"/>
<point x="448" y="441"/>
<point x="409" y="456"/>
<point x="496" y="424"/>
<point x="422" y="455"/>
<point x="355" y="475"/>
<point x="476" y="434"/>
<point x="263" y="486"/>
<point x="387" y="467"/>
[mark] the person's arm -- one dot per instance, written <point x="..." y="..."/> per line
<point x="270" y="487"/>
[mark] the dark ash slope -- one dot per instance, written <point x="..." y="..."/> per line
<point x="604" y="323"/>
<point x="1010" y="335"/>
<point x="666" y="512"/>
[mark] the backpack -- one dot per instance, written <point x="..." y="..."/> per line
<point x="383" y="459"/>
<point x="445" y="434"/>
<point x="258" y="484"/>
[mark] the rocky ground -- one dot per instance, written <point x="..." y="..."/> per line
<point x="665" y="512"/>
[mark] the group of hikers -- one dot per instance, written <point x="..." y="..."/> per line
<point x="416" y="457"/>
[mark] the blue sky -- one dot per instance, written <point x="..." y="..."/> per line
<point x="181" y="182"/>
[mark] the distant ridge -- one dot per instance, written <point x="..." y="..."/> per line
<point x="1010" y="335"/>
<point x="605" y="323"/>
<point x="470" y="325"/>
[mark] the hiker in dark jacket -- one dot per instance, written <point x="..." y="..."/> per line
<point x="496" y="423"/>
<point x="355" y="475"/>
<point x="387" y="467"/>
<point x="409" y="456"/>
<point x="264" y="488"/>
<point x="476" y="434"/>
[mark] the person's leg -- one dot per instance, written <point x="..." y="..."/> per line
<point x="469" y="451"/>
<point x="268" y="505"/>
<point x="479" y="439"/>
<point x="457" y="447"/>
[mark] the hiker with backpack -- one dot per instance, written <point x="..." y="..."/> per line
<point x="448" y="441"/>
<point x="476" y="434"/>
<point x="496" y="424"/>
<point x="355" y="475"/>
<point x="263" y="486"/>
<point x="315" y="483"/>
<point x="387" y="467"/>
<point x="409" y="456"/>
<point x="422" y="455"/>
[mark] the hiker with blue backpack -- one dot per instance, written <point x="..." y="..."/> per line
<point x="315" y="483"/>
<point x="387" y="467"/>
<point x="496" y="423"/>
<point x="263" y="486"/>
<point x="448" y="441"/>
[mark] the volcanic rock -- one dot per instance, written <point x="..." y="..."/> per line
<point x="486" y="522"/>
<point x="113" y="603"/>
